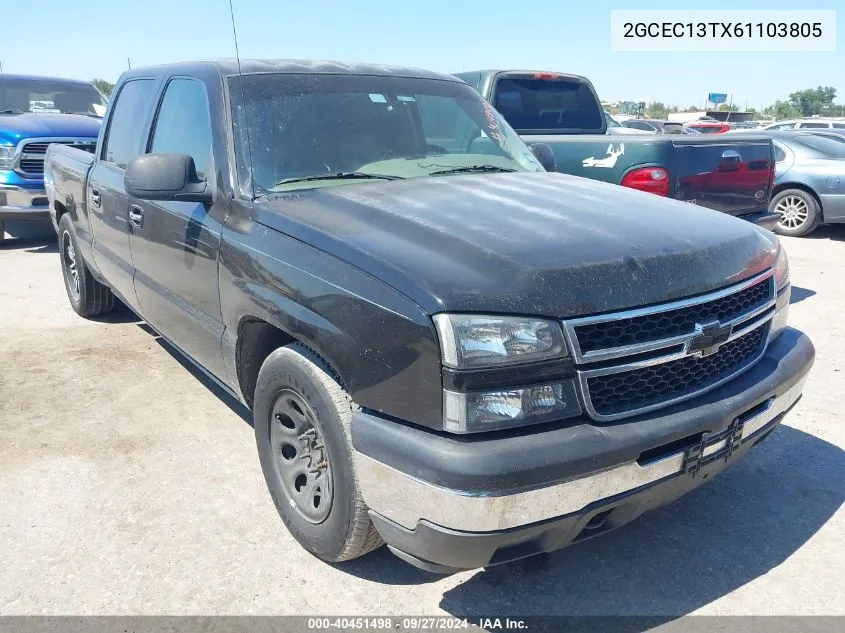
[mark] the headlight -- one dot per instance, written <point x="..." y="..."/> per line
<point x="7" y="156"/>
<point x="470" y="341"/>
<point x="505" y="408"/>
<point x="781" y="268"/>
<point x="784" y="292"/>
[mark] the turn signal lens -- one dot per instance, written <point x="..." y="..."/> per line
<point x="492" y="410"/>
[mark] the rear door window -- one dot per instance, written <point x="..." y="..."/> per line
<point x="554" y="103"/>
<point x="125" y="136"/>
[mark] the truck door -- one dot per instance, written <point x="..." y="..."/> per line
<point x="175" y="244"/>
<point x="108" y="204"/>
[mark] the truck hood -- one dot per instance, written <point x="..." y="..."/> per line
<point x="14" y="127"/>
<point x="531" y="243"/>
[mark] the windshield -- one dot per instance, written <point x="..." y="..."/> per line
<point x="334" y="127"/>
<point x="45" y="95"/>
<point x="819" y="146"/>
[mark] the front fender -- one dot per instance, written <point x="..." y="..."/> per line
<point x="381" y="343"/>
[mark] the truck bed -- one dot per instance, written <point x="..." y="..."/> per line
<point x="701" y="170"/>
<point x="65" y="177"/>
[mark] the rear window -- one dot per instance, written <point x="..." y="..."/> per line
<point x="817" y="126"/>
<point x="821" y="146"/>
<point x="528" y="103"/>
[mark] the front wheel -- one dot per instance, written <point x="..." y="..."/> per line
<point x="799" y="212"/>
<point x="88" y="297"/>
<point x="302" y="422"/>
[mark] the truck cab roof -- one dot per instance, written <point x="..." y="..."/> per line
<point x="232" y="67"/>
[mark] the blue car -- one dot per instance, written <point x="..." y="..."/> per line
<point x="34" y="112"/>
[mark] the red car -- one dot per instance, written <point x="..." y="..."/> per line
<point x="707" y="127"/>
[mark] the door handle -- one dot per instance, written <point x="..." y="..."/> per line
<point x="731" y="159"/>
<point x="136" y="217"/>
<point x="95" y="197"/>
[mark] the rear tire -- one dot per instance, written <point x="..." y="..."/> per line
<point x="302" y="420"/>
<point x="87" y="296"/>
<point x="799" y="212"/>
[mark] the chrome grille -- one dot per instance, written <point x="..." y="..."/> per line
<point x="650" y="327"/>
<point x="30" y="153"/>
<point x="625" y="391"/>
<point x="640" y="360"/>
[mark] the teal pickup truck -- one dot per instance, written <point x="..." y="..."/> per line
<point x="733" y="174"/>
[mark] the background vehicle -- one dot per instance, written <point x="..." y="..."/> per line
<point x="36" y="111"/>
<point x="810" y="185"/>
<point x="813" y="123"/>
<point x="616" y="128"/>
<point x="659" y="126"/>
<point x="708" y="127"/>
<point x="391" y="303"/>
<point x="733" y="174"/>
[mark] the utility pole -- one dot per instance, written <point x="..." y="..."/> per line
<point x="129" y="63"/>
<point x="1" y="65"/>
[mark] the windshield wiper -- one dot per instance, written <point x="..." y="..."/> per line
<point x="470" y="169"/>
<point x="344" y="175"/>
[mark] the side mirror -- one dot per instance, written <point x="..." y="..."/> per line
<point x="543" y="153"/>
<point x="165" y="177"/>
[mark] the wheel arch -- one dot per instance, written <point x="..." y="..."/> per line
<point x="259" y="334"/>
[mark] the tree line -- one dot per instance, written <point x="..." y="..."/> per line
<point x="802" y="103"/>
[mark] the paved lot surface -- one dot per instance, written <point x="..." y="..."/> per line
<point x="129" y="486"/>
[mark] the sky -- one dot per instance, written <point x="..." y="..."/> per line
<point x="85" y="39"/>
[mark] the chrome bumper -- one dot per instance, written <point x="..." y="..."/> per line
<point x="22" y="204"/>
<point x="406" y="500"/>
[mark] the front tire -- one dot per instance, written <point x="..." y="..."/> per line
<point x="799" y="212"/>
<point x="302" y="420"/>
<point x="87" y="296"/>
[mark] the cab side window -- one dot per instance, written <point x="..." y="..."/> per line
<point x="126" y="126"/>
<point x="183" y="125"/>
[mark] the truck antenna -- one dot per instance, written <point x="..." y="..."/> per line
<point x="243" y="97"/>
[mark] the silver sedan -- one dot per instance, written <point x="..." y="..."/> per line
<point x="809" y="181"/>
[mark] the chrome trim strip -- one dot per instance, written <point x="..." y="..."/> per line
<point x="407" y="500"/>
<point x="583" y="376"/>
<point x="617" y="352"/>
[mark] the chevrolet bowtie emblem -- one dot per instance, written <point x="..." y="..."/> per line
<point x="708" y="338"/>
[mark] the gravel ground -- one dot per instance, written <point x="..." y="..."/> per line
<point x="128" y="485"/>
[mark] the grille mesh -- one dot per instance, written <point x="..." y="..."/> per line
<point x="614" y="394"/>
<point x="32" y="164"/>
<point x="652" y="327"/>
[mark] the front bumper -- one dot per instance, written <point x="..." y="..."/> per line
<point x="23" y="203"/>
<point x="445" y="504"/>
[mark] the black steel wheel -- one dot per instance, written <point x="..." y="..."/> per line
<point x="302" y="417"/>
<point x="301" y="458"/>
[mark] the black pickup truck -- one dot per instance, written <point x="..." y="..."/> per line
<point x="456" y="353"/>
<point x="733" y="174"/>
